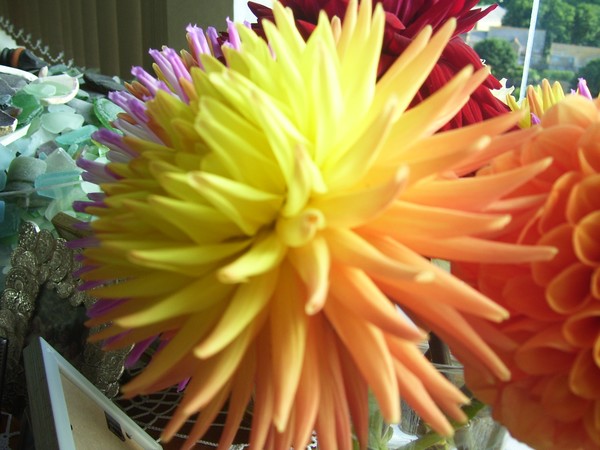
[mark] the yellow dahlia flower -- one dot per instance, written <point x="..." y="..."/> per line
<point x="551" y="343"/>
<point x="268" y="207"/>
<point x="542" y="97"/>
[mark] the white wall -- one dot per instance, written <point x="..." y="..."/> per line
<point x="241" y="11"/>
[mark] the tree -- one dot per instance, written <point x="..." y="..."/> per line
<point x="518" y="13"/>
<point x="587" y="31"/>
<point x="557" y="17"/>
<point x="501" y="57"/>
<point x="578" y="2"/>
<point x="591" y="73"/>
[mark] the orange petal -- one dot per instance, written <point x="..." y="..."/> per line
<point x="555" y="210"/>
<point x="570" y="290"/>
<point x="590" y="149"/>
<point x="408" y="219"/>
<point x="560" y="237"/>
<point x="442" y="391"/>
<point x="457" y="294"/>
<point x="358" y="292"/>
<point x="497" y="146"/>
<point x="348" y="247"/>
<point x="357" y="393"/>
<point x="473" y="193"/>
<point x="586" y="239"/>
<point x="264" y="393"/>
<point x="521" y="294"/>
<point x="201" y="423"/>
<point x="367" y="346"/>
<point x="333" y="419"/>
<point x="546" y="353"/>
<point x="575" y="109"/>
<point x="415" y="394"/>
<point x="560" y="401"/>
<point x="306" y="403"/>
<point x="242" y="387"/>
<point x="288" y="324"/>
<point x="584" y="376"/>
<point x="473" y="249"/>
<point x="582" y="329"/>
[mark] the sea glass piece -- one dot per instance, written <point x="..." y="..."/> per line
<point x="40" y="90"/>
<point x="83" y="95"/>
<point x="64" y="202"/>
<point x="55" y="89"/>
<point x="106" y="111"/>
<point x="11" y="83"/>
<point x="86" y="109"/>
<point x="30" y="107"/>
<point x="60" y="108"/>
<point x="10" y="222"/>
<point x="77" y="136"/>
<point x="7" y="154"/>
<point x="60" y="161"/>
<point x="57" y="184"/>
<point x="39" y="137"/>
<point x="45" y="149"/>
<point x="61" y="121"/>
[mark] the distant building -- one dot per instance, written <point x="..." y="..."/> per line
<point x="493" y="19"/>
<point x="565" y="57"/>
<point x="518" y="37"/>
<point x="571" y="57"/>
<point x="475" y="36"/>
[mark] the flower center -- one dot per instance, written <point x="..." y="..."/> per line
<point x="298" y="230"/>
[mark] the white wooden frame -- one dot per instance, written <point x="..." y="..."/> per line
<point x="69" y="413"/>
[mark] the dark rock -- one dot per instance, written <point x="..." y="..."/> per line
<point x="102" y="84"/>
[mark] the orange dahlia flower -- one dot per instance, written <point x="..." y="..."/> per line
<point x="551" y="343"/>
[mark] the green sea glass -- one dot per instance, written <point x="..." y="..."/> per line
<point x="30" y="107"/>
<point x="106" y="111"/>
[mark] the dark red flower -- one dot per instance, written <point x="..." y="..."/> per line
<point x="405" y="18"/>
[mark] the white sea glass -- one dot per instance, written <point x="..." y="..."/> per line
<point x="58" y="122"/>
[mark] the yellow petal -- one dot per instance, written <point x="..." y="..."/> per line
<point x="249" y="300"/>
<point x="312" y="263"/>
<point x="265" y="253"/>
<point x="352" y="208"/>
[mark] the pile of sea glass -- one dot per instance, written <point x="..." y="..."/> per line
<point x="38" y="174"/>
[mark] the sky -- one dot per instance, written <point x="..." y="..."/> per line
<point x="241" y="11"/>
